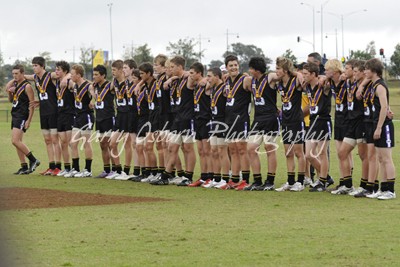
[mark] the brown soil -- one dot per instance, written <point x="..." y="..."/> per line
<point x="33" y="198"/>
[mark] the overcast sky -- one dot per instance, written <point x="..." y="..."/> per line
<point x="28" y="27"/>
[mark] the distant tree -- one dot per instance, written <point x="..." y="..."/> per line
<point x="245" y="52"/>
<point x="85" y="59"/>
<point x="45" y="55"/>
<point x="142" y="54"/>
<point x="215" y="63"/>
<point x="371" y="49"/>
<point x="359" y="54"/>
<point x="394" y="69"/>
<point x="289" y="54"/>
<point x="3" y="74"/>
<point x="184" y="48"/>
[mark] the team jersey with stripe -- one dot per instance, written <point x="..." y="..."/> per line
<point x="238" y="100"/>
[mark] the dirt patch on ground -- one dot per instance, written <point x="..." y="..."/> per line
<point x="33" y="198"/>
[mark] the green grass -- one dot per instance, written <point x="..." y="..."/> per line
<point x="199" y="227"/>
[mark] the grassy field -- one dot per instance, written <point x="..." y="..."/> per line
<point x="199" y="227"/>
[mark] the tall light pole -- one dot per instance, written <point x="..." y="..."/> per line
<point x="111" y="37"/>
<point x="313" y="21"/>
<point x="342" y="17"/>
<point x="227" y="38"/>
<point x="200" y="51"/>
<point x="322" y="27"/>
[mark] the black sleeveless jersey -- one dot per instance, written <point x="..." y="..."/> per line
<point x="130" y="95"/>
<point x="46" y="90"/>
<point x="355" y="107"/>
<point x="104" y="104"/>
<point x="264" y="99"/>
<point x="142" y="106"/>
<point x="218" y="103"/>
<point x="121" y="99"/>
<point x="238" y="100"/>
<point x="291" y="101"/>
<point x="375" y="99"/>
<point x="172" y="96"/>
<point x="184" y="104"/>
<point x="65" y="99"/>
<point x="320" y="103"/>
<point x="151" y="91"/>
<point x="339" y="93"/>
<point x="82" y="98"/>
<point x="202" y="103"/>
<point x="368" y="101"/>
<point x="20" y="103"/>
<point x="164" y="99"/>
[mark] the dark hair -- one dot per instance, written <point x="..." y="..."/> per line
<point x="178" y="60"/>
<point x="374" y="65"/>
<point x="39" y="61"/>
<point x="312" y="68"/>
<point x="19" y="67"/>
<point x="230" y="58"/>
<point x="351" y="62"/>
<point x="216" y="72"/>
<point x="146" y="67"/>
<point x="197" y="67"/>
<point x="131" y="63"/>
<point x="64" y="65"/>
<point x="117" y="64"/>
<point x="136" y="73"/>
<point x="258" y="63"/>
<point x="101" y="69"/>
<point x="316" y="56"/>
<point x="300" y="65"/>
<point x="360" y="65"/>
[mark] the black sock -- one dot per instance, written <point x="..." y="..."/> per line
<point x="363" y="183"/>
<point x="390" y="185"/>
<point x="257" y="179"/>
<point x="384" y="186"/>
<point x="348" y="181"/>
<point x="225" y="177"/>
<point x="210" y="175"/>
<point x="181" y="173"/>
<point x="290" y="178"/>
<point x="340" y="181"/>
<point x="203" y="176"/>
<point x="136" y="170"/>
<point x="127" y="169"/>
<point x="246" y="176"/>
<point x="154" y="171"/>
<point x="31" y="157"/>
<point x="107" y="168"/>
<point x="118" y="168"/>
<point x="300" y="177"/>
<point x="217" y="177"/>
<point x="166" y="175"/>
<point x="189" y="175"/>
<point x="67" y="166"/>
<point x="52" y="165"/>
<point x="58" y="165"/>
<point x="24" y="166"/>
<point x="161" y="169"/>
<point x="88" y="165"/>
<point x="322" y="181"/>
<point x="271" y="177"/>
<point x="369" y="187"/>
<point x="75" y="164"/>
<point x="173" y="172"/>
<point x="376" y="186"/>
<point x="235" y="178"/>
<point x="113" y="168"/>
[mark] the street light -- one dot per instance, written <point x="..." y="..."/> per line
<point x="111" y="37"/>
<point x="322" y="27"/>
<point x="313" y="21"/>
<point x="200" y="52"/>
<point x="227" y="38"/>
<point x="342" y="17"/>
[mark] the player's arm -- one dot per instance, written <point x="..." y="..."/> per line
<point x="31" y="96"/>
<point x="191" y="83"/>
<point x="381" y="93"/>
<point x="29" y="77"/>
<point x="247" y="83"/>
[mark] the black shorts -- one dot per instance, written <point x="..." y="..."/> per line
<point x="84" y="121"/>
<point x="218" y="128"/>
<point x="184" y="127"/>
<point x="65" y="122"/>
<point x="133" y="122"/>
<point x="266" y="127"/>
<point x="293" y="133"/>
<point x="143" y="126"/>
<point x="121" y="122"/>
<point x="48" y="122"/>
<point x="166" y="121"/>
<point x="369" y="132"/>
<point x="154" y="119"/>
<point x="106" y="125"/>
<point x="18" y="122"/>
<point x="239" y="130"/>
<point x="202" y="128"/>
<point x="387" y="135"/>
<point x="320" y="130"/>
<point x="355" y="129"/>
<point x="340" y="130"/>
